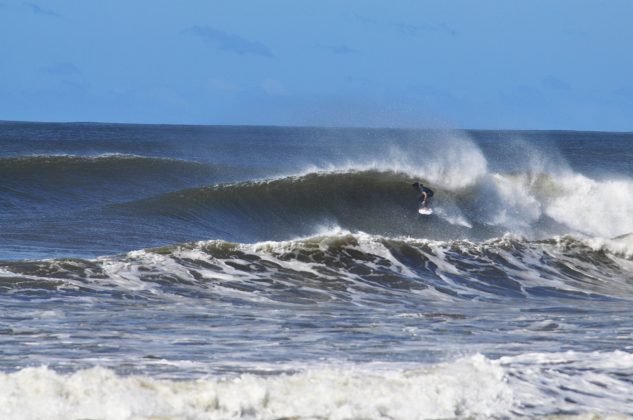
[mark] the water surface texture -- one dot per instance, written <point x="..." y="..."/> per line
<point x="261" y="272"/>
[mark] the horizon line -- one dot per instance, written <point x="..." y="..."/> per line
<point x="342" y="127"/>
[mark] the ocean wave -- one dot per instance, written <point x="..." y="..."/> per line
<point x="105" y="165"/>
<point x="383" y="202"/>
<point x="54" y="182"/>
<point x="345" y="267"/>
<point x="534" y="385"/>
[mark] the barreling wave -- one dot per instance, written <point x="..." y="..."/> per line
<point x="536" y="205"/>
<point x="339" y="266"/>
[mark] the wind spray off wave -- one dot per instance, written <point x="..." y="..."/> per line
<point x="277" y="272"/>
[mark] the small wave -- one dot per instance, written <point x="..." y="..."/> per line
<point x="108" y="163"/>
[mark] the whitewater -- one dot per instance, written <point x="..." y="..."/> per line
<point x="267" y="272"/>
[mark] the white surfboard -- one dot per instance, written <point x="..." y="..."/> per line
<point x="425" y="210"/>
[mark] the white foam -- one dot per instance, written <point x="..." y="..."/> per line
<point x="621" y="246"/>
<point x="546" y="186"/>
<point x="472" y="386"/>
<point x="602" y="208"/>
<point x="518" y="208"/>
<point x="571" y="381"/>
<point x="531" y="384"/>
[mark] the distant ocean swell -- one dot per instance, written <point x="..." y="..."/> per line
<point x="49" y="182"/>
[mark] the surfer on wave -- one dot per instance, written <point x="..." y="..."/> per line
<point x="425" y="194"/>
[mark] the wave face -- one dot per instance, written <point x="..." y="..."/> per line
<point x="534" y="205"/>
<point x="180" y="271"/>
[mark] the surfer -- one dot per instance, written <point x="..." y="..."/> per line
<point x="425" y="194"/>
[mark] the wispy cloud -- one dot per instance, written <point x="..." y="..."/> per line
<point x="340" y="49"/>
<point x="229" y="42"/>
<point x="404" y="28"/>
<point x="61" y="69"/>
<point x="37" y="10"/>
<point x="555" y="83"/>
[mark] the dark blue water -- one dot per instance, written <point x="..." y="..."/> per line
<point x="227" y="263"/>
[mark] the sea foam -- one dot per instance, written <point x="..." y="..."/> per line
<point x="472" y="386"/>
<point x="529" y="384"/>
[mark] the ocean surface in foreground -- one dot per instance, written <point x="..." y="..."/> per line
<point x="260" y="272"/>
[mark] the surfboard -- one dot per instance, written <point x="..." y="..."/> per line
<point x="425" y="210"/>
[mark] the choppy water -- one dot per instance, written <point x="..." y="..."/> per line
<point x="258" y="272"/>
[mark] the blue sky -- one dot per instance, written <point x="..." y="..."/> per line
<point x="555" y="64"/>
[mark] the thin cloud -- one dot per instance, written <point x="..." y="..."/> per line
<point x="448" y="29"/>
<point x="340" y="49"/>
<point x="404" y="28"/>
<point x="555" y="83"/>
<point x="229" y="42"/>
<point x="37" y="10"/>
<point x="61" y="69"/>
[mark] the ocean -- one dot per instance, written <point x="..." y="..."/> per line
<point x="202" y="272"/>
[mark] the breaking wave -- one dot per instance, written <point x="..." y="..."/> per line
<point x="359" y="268"/>
<point x="536" y="205"/>
<point x="532" y="385"/>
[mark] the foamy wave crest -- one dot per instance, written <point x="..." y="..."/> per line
<point x="600" y="208"/>
<point x="594" y="385"/>
<point x="473" y="386"/>
<point x="603" y="208"/>
<point x="621" y="245"/>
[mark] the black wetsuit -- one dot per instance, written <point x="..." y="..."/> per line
<point x="428" y="191"/>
